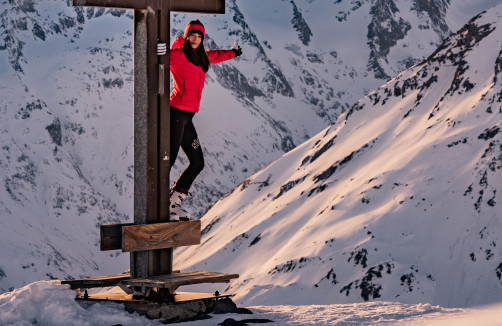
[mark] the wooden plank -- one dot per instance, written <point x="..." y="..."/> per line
<point x="93" y="282"/>
<point x="119" y="4"/>
<point x="178" y="297"/>
<point x="160" y="236"/>
<point x="194" y="6"/>
<point x="168" y="277"/>
<point x="104" y="279"/>
<point x="199" y="6"/>
<point x="165" y="281"/>
<point x="111" y="236"/>
<point x="184" y="281"/>
<point x="101" y="281"/>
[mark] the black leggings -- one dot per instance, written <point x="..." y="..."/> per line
<point x="183" y="134"/>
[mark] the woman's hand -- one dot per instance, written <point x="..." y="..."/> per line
<point x="161" y="48"/>
<point x="237" y="51"/>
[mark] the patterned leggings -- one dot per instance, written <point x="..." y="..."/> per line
<point x="183" y="134"/>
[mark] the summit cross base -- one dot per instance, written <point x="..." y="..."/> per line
<point x="129" y="238"/>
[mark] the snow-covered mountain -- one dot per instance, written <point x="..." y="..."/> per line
<point x="398" y="200"/>
<point x="66" y="101"/>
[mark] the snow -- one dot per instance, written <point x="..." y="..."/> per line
<point x="48" y="303"/>
<point x="52" y="304"/>
<point x="431" y="234"/>
<point x="53" y="197"/>
<point x="398" y="200"/>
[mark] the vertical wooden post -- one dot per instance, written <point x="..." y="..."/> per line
<point x="153" y="133"/>
<point x="160" y="261"/>
<point x="152" y="138"/>
<point x="138" y="263"/>
<point x="166" y="255"/>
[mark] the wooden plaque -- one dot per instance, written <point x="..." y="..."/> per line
<point x="160" y="235"/>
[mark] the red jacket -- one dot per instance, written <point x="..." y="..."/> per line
<point x="188" y="78"/>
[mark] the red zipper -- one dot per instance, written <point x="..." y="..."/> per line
<point x="183" y="91"/>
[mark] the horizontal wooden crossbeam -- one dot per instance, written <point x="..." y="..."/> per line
<point x="193" y="6"/>
<point x="130" y="237"/>
<point x="111" y="236"/>
<point x="160" y="235"/>
<point x="119" y="4"/>
<point x="199" y="6"/>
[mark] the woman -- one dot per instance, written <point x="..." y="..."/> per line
<point x="189" y="62"/>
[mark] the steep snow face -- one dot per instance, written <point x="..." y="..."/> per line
<point x="67" y="115"/>
<point x="65" y="140"/>
<point x="399" y="200"/>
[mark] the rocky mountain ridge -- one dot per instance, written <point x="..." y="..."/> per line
<point x="66" y="127"/>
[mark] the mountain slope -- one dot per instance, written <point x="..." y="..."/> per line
<point x="66" y="123"/>
<point x="399" y="200"/>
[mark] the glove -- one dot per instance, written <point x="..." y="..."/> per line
<point x="161" y="48"/>
<point x="237" y="51"/>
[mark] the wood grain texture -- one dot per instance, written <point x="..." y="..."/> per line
<point x="199" y="6"/>
<point x="165" y="256"/>
<point x="101" y="281"/>
<point x="119" y="4"/>
<point x="194" y="6"/>
<point x="177" y="297"/>
<point x="165" y="281"/>
<point x="160" y="236"/>
<point x="104" y="279"/>
<point x="111" y="236"/>
<point x="94" y="282"/>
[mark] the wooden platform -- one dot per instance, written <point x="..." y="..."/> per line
<point x="175" y="280"/>
<point x="99" y="282"/>
<point x="170" y="281"/>
<point x="94" y="282"/>
<point x="178" y="297"/>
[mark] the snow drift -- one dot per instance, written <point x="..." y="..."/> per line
<point x="48" y="303"/>
<point x="399" y="200"/>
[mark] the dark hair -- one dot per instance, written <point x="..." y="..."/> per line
<point x="198" y="57"/>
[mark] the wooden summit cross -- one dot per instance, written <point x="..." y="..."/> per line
<point x="151" y="238"/>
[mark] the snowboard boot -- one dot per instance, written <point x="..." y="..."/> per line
<point x="176" y="212"/>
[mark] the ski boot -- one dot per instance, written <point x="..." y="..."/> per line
<point x="176" y="212"/>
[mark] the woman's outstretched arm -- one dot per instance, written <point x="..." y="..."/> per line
<point x="216" y="56"/>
